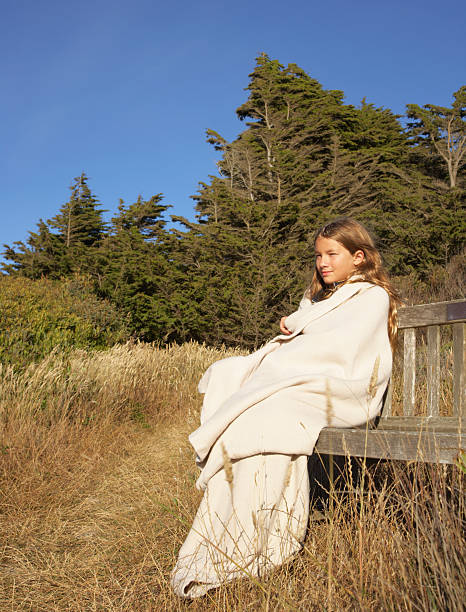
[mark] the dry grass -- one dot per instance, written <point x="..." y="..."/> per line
<point x="446" y="374"/>
<point x="97" y="494"/>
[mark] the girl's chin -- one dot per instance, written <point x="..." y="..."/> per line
<point x="330" y="280"/>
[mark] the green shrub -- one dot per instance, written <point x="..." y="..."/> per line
<point x="37" y="316"/>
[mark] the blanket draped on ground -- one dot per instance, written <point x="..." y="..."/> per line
<point x="261" y="417"/>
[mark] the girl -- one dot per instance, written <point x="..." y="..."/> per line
<point x="263" y="413"/>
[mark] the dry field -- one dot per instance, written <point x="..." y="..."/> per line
<point x="97" y="494"/>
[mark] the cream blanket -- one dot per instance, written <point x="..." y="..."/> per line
<point x="261" y="417"/>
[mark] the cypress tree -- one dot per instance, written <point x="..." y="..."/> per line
<point x="305" y="157"/>
<point x="80" y="227"/>
<point x="65" y="244"/>
<point x="439" y="133"/>
<point x="38" y="257"/>
<point x="133" y="268"/>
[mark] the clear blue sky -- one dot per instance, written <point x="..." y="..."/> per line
<point x="124" y="90"/>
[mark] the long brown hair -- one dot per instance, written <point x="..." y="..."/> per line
<point x="355" y="237"/>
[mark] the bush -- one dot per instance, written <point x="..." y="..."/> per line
<point x="37" y="316"/>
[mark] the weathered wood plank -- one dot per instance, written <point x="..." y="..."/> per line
<point x="440" y="423"/>
<point x="433" y="370"/>
<point x="409" y="371"/>
<point x="459" y="369"/>
<point x="435" y="447"/>
<point x="387" y="403"/>
<point x="439" y="313"/>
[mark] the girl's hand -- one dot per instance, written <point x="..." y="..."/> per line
<point x="283" y="327"/>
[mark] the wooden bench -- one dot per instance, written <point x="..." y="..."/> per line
<point x="422" y="431"/>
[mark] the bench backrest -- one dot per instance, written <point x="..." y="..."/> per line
<point x="431" y="317"/>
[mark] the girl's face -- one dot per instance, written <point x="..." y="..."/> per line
<point x="333" y="261"/>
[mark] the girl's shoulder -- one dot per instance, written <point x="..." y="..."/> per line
<point x="376" y="289"/>
<point x="357" y="288"/>
<point x="375" y="294"/>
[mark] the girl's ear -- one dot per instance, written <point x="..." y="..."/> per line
<point x="358" y="257"/>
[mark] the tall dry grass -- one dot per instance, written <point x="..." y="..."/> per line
<point x="97" y="495"/>
<point x="446" y="373"/>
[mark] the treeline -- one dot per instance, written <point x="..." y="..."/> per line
<point x="303" y="158"/>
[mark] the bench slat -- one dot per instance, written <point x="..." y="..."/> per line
<point x="440" y="313"/>
<point x="459" y="365"/>
<point x="433" y="370"/>
<point x="387" y="402"/>
<point x="441" y="423"/>
<point x="424" y="445"/>
<point x="409" y="371"/>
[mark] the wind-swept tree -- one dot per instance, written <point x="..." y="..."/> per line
<point x="66" y="243"/>
<point x="80" y="227"/>
<point x="38" y="257"/>
<point x="305" y="157"/>
<point x="133" y="267"/>
<point x="441" y="131"/>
